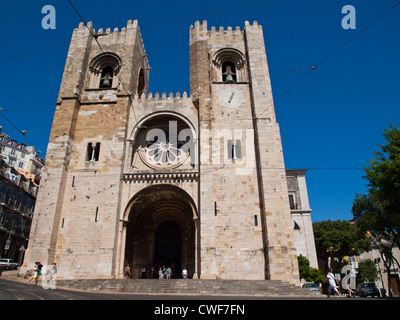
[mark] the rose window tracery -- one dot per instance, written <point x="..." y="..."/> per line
<point x="164" y="142"/>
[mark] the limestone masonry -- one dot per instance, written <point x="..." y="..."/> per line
<point x="143" y="178"/>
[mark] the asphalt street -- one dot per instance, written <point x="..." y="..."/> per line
<point x="18" y="299"/>
<point x="14" y="288"/>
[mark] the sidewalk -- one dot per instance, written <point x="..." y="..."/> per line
<point x="12" y="275"/>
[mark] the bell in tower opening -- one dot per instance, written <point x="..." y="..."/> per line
<point x="229" y="75"/>
<point x="106" y="78"/>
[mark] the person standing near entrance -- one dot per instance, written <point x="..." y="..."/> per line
<point x="160" y="274"/>
<point x="127" y="271"/>
<point x="168" y="272"/>
<point x="184" y="273"/>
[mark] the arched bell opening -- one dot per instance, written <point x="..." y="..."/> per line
<point x="160" y="231"/>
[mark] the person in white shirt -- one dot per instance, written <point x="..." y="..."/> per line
<point x="333" y="283"/>
<point x="184" y="273"/>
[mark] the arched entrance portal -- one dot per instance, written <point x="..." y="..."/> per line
<point x="160" y="230"/>
<point x="168" y="245"/>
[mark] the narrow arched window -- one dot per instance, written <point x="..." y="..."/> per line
<point x="89" y="152"/>
<point x="229" y="65"/>
<point x="141" y="83"/>
<point x="96" y="152"/>
<point x="93" y="152"/>
<point x="104" y="70"/>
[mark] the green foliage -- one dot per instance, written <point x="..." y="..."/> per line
<point x="337" y="239"/>
<point x="379" y="211"/>
<point x="307" y="273"/>
<point x="367" y="271"/>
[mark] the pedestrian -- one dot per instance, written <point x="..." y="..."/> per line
<point x="152" y="271"/>
<point x="160" y="274"/>
<point x="184" y="273"/>
<point x="34" y="274"/>
<point x="351" y="293"/>
<point x="143" y="272"/>
<point x="172" y="270"/>
<point x="127" y="271"/>
<point x="168" y="272"/>
<point x="333" y="283"/>
<point x="53" y="273"/>
<point x="39" y="272"/>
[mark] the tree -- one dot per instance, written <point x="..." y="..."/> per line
<point x="377" y="214"/>
<point x="337" y="239"/>
<point x="307" y="273"/>
<point x="383" y="175"/>
<point x="367" y="271"/>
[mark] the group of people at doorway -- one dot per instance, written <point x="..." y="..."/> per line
<point x="154" y="271"/>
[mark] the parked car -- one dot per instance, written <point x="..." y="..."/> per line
<point x="367" y="289"/>
<point x="7" y="264"/>
<point x="311" y="286"/>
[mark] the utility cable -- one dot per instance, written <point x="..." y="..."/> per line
<point x="23" y="132"/>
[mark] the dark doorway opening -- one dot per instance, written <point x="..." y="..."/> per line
<point x="168" y="246"/>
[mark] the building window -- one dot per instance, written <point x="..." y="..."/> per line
<point x="158" y="148"/>
<point x="292" y="203"/>
<point x="104" y="69"/>
<point x="229" y="66"/>
<point x="93" y="152"/>
<point x="234" y="149"/>
<point x="21" y="165"/>
<point x="141" y="83"/>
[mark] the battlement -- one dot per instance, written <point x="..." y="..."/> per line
<point x="162" y="97"/>
<point x="130" y="25"/>
<point x="201" y="30"/>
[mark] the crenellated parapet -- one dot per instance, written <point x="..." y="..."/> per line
<point x="200" y="30"/>
<point x="89" y="26"/>
<point x="161" y="97"/>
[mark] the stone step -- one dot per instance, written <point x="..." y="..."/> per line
<point x="189" y="287"/>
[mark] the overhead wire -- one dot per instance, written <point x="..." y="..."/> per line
<point x="143" y="26"/>
<point x="311" y="69"/>
<point x="23" y="132"/>
<point x="209" y="13"/>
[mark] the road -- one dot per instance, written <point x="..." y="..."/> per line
<point x="14" y="288"/>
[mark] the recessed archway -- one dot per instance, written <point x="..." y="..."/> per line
<point x="160" y="230"/>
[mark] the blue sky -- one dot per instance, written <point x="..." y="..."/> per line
<point x="331" y="122"/>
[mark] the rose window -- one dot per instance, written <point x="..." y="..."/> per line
<point x="163" y="152"/>
<point x="164" y="142"/>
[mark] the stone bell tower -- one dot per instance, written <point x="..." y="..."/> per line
<point x="77" y="211"/>
<point x="246" y="230"/>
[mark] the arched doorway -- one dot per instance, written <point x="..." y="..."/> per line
<point x="160" y="230"/>
<point x="168" y="246"/>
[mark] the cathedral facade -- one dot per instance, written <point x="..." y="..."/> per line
<point x="138" y="178"/>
